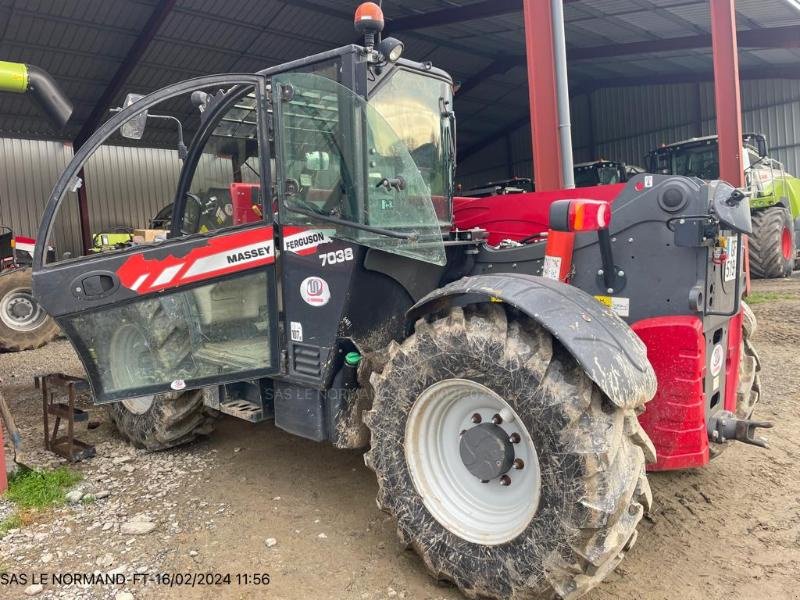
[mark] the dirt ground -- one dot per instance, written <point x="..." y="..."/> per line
<point x="729" y="531"/>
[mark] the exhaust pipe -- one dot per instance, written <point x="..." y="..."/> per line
<point x="19" y="78"/>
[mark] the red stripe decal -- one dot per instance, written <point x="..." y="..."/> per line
<point x="222" y="255"/>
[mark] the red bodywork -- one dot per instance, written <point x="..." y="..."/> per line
<point x="518" y="216"/>
<point x="675" y="418"/>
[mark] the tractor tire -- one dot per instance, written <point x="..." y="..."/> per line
<point x="24" y="325"/>
<point x="567" y="513"/>
<point x="154" y="338"/>
<point x="749" y="391"/>
<point x="164" y="420"/>
<point x="772" y="244"/>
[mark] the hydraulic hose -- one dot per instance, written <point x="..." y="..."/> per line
<point x="19" y="78"/>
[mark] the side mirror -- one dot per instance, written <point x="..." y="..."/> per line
<point x="133" y="129"/>
<point x="318" y="161"/>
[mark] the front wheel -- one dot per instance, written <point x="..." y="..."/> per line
<point x="772" y="244"/>
<point x="24" y="324"/>
<point x="505" y="467"/>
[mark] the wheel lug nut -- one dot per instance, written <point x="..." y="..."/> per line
<point x="505" y="480"/>
<point x="476" y="418"/>
<point x="514" y="438"/>
<point x="519" y="463"/>
<point x="497" y="419"/>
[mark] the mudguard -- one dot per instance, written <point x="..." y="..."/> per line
<point x="602" y="343"/>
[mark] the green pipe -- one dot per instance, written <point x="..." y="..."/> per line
<point x="13" y="77"/>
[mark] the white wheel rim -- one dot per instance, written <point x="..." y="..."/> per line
<point x="138" y="406"/>
<point x="482" y="513"/>
<point x="20" y="311"/>
<point x="128" y="348"/>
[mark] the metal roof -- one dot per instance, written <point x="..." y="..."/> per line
<point x="100" y="49"/>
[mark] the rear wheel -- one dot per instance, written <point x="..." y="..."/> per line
<point x="24" y="324"/>
<point x="749" y="391"/>
<point x="149" y="342"/>
<point x="772" y="244"/>
<point x="505" y="467"/>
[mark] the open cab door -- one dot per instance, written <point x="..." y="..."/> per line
<point x="198" y="308"/>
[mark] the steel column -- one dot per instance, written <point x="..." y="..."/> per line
<point x="727" y="98"/>
<point x="538" y="21"/>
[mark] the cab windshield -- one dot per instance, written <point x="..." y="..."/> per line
<point x="694" y="161"/>
<point x="343" y="163"/>
<point x="416" y="107"/>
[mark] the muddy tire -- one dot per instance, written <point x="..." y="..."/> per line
<point x="586" y="485"/>
<point x="772" y="244"/>
<point x="164" y="420"/>
<point x="152" y="338"/>
<point x="749" y="391"/>
<point x="24" y="325"/>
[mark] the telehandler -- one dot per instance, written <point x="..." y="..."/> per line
<point x="502" y="408"/>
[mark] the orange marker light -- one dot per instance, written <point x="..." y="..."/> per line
<point x="370" y="12"/>
<point x="579" y="215"/>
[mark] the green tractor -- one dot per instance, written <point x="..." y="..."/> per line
<point x="774" y="196"/>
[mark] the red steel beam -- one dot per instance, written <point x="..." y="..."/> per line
<point x="537" y="17"/>
<point x="727" y="98"/>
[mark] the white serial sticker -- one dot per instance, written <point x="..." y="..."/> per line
<point x="717" y="358"/>
<point x="552" y="267"/>
<point x="620" y="306"/>
<point x="733" y="258"/>
<point x="238" y="256"/>
<point x="296" y="331"/>
<point x="315" y="291"/>
<point x="297" y="242"/>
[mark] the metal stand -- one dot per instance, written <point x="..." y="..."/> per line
<point x="72" y="449"/>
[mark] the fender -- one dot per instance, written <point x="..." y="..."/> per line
<point x="602" y="343"/>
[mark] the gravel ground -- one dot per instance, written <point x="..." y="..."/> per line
<point x="252" y="499"/>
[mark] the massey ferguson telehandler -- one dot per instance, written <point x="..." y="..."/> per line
<point x="502" y="409"/>
<point x="24" y="325"/>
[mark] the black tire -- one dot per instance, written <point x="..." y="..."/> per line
<point x="17" y="285"/>
<point x="773" y="231"/>
<point x="592" y="454"/>
<point x="749" y="391"/>
<point x="166" y="420"/>
<point x="172" y="420"/>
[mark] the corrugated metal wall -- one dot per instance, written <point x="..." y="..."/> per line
<point x="127" y="186"/>
<point x="629" y="122"/>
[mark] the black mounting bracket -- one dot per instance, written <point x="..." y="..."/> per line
<point x="610" y="278"/>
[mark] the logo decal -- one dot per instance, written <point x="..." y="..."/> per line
<point x="315" y="291"/>
<point x="305" y="241"/>
<point x="717" y="358"/>
<point x="219" y="256"/>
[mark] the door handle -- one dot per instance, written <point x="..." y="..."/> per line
<point x="95" y="285"/>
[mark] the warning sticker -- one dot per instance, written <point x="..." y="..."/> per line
<point x="648" y="181"/>
<point x="733" y="258"/>
<point x="552" y="267"/>
<point x="296" y="331"/>
<point x="621" y="306"/>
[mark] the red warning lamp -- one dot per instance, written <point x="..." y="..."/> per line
<point x="579" y="215"/>
<point x="369" y="21"/>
